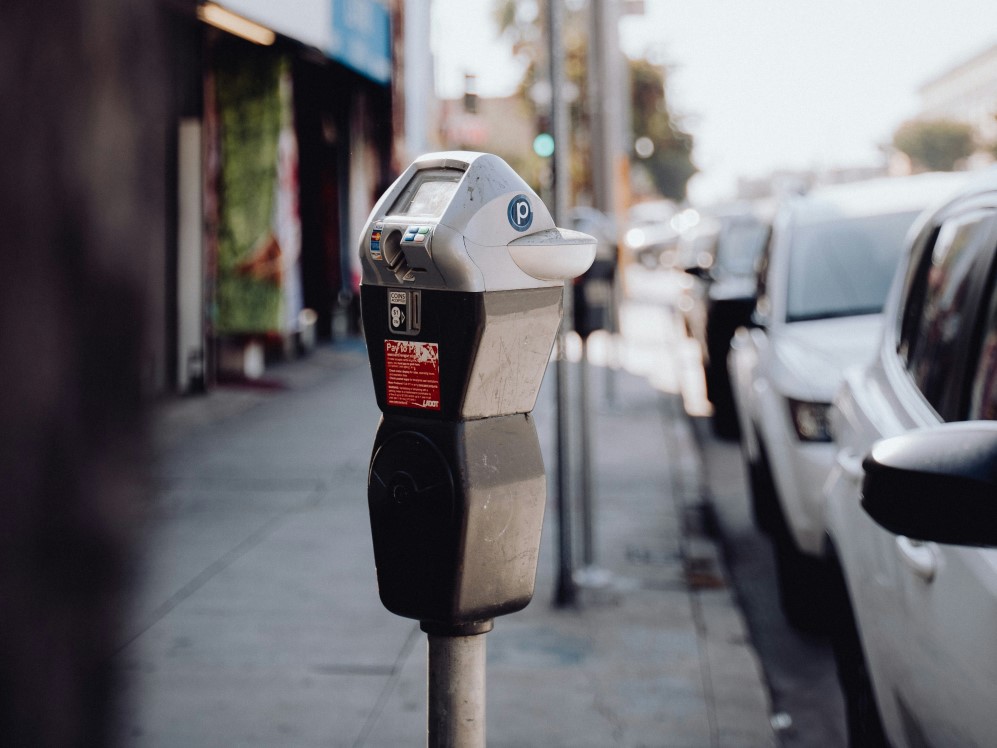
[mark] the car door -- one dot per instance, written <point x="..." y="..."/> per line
<point x="945" y="623"/>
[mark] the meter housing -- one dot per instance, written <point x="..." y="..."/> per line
<point x="462" y="281"/>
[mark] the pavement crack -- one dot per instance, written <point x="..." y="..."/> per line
<point x="396" y="669"/>
<point x="377" y="670"/>
<point x="604" y="709"/>
<point x="688" y="488"/>
<point x="702" y="642"/>
<point x="205" y="576"/>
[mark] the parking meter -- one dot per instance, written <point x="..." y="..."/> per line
<point x="463" y="272"/>
<point x="594" y="294"/>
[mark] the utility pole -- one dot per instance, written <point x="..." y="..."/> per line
<point x="607" y="117"/>
<point x="608" y="104"/>
<point x="565" y="593"/>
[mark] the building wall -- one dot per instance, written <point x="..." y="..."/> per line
<point x="503" y="126"/>
<point x="420" y="113"/>
<point x="326" y="151"/>
<point x="967" y="93"/>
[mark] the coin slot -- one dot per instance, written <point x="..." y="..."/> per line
<point x="392" y="250"/>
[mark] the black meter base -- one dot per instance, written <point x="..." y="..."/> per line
<point x="456" y="512"/>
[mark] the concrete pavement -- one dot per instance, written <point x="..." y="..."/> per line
<point x="258" y="621"/>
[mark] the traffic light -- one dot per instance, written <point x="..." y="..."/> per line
<point x="543" y="145"/>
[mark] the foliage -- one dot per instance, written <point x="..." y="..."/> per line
<point x="249" y="111"/>
<point x="935" y="145"/>
<point x="669" y="166"/>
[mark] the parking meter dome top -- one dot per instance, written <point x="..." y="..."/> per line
<point x="486" y="230"/>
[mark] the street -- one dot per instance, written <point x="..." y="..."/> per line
<point x="259" y="619"/>
<point x="293" y="409"/>
<point x="799" y="668"/>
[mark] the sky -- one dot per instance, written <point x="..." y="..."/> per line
<point x="761" y="84"/>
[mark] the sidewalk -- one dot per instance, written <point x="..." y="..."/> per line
<point x="259" y="621"/>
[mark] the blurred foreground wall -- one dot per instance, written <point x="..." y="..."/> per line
<point x="81" y="236"/>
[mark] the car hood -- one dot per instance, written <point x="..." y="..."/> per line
<point x="813" y="355"/>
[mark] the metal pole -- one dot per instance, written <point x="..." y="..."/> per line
<point x="558" y="114"/>
<point x="565" y="593"/>
<point x="608" y="114"/>
<point x="456" y="691"/>
<point x="588" y="509"/>
<point x="600" y="158"/>
<point x="613" y="344"/>
<point x="599" y="180"/>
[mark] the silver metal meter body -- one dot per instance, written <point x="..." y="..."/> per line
<point x="463" y="273"/>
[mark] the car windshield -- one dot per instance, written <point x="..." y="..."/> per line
<point x="844" y="267"/>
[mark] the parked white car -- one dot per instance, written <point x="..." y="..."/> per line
<point x="915" y="594"/>
<point x="720" y="264"/>
<point x="824" y="277"/>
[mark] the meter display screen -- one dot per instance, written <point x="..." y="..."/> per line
<point x="429" y="193"/>
<point x="432" y="198"/>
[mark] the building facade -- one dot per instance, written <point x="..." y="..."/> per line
<point x="966" y="93"/>
<point x="287" y="121"/>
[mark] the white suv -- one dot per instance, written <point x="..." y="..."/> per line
<point x="824" y="277"/>
<point x="917" y="603"/>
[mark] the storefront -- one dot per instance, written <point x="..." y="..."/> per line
<point x="283" y="138"/>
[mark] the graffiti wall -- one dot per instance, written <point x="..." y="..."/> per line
<point x="257" y="227"/>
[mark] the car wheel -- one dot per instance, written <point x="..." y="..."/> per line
<point x="724" y="418"/>
<point x="764" y="504"/>
<point x="718" y="385"/>
<point x="724" y="422"/>
<point x="865" y="726"/>
<point x="801" y="580"/>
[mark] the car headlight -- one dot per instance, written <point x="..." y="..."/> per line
<point x="811" y="420"/>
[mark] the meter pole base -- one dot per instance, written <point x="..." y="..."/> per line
<point x="456" y="691"/>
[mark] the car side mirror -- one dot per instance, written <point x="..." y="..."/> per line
<point x="937" y="484"/>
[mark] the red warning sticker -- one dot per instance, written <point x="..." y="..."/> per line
<point x="413" y="374"/>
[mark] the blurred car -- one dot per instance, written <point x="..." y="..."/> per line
<point x="696" y="248"/>
<point x="824" y="276"/>
<point x="596" y="223"/>
<point x="650" y="237"/>
<point x="723" y="262"/>
<point x="652" y="244"/>
<point x="917" y="600"/>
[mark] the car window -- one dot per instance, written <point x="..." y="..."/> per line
<point x="739" y="247"/>
<point x="762" y="304"/>
<point x="983" y="399"/>
<point x="704" y="247"/>
<point x="844" y="267"/>
<point x="940" y="309"/>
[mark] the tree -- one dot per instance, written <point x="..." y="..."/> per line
<point x="935" y="145"/>
<point x="669" y="165"/>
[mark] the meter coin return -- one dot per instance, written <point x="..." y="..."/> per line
<point x="463" y="274"/>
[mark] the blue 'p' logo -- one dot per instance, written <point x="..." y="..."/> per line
<point x="520" y="213"/>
